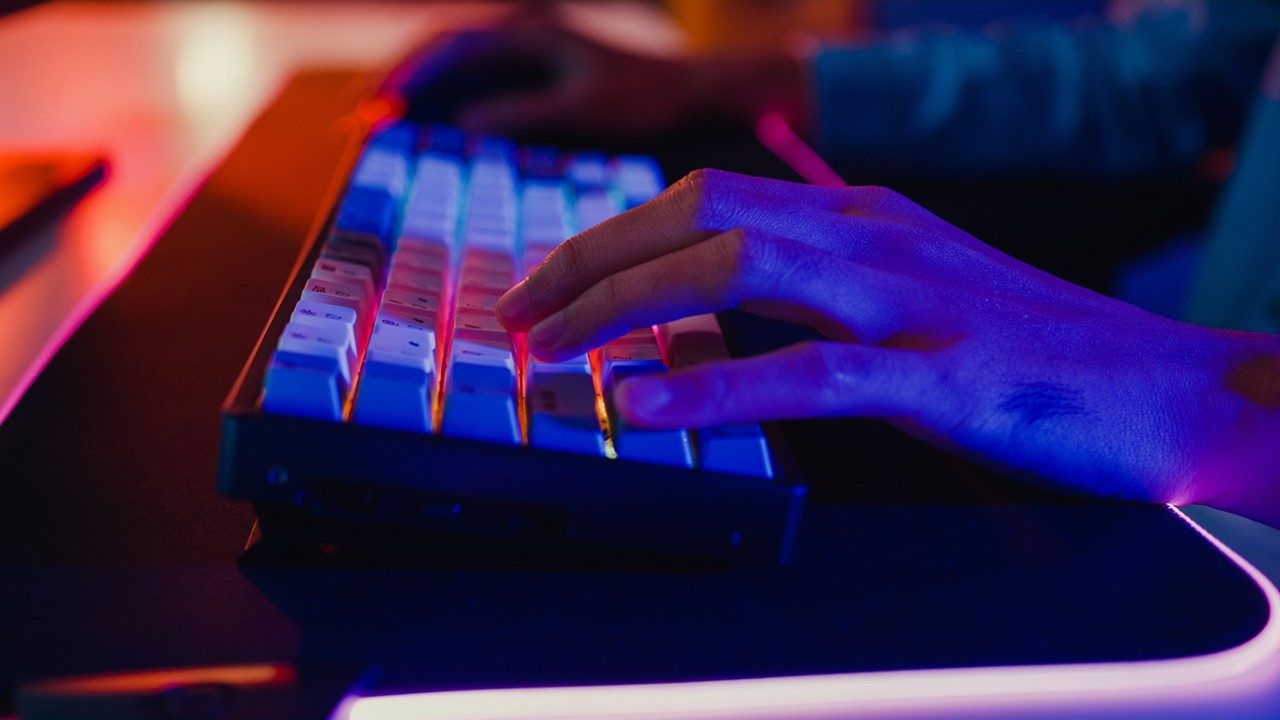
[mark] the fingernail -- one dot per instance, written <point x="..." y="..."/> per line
<point x="641" y="398"/>
<point x="548" y="332"/>
<point x="514" y="304"/>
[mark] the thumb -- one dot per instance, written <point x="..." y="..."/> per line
<point x="811" y="379"/>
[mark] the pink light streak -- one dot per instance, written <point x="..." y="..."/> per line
<point x="1029" y="688"/>
<point x="776" y="134"/>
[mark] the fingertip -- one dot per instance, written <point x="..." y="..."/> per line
<point x="513" y="307"/>
<point x="545" y="336"/>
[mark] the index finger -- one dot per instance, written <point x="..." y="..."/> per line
<point x="702" y="204"/>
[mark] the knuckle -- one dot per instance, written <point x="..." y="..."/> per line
<point x="694" y="198"/>
<point x="743" y="256"/>
<point x="572" y="258"/>
<point x="877" y="198"/>
<point x="827" y="366"/>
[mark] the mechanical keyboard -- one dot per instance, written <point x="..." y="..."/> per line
<point x="384" y="399"/>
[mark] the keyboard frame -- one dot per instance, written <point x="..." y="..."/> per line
<point x="323" y="483"/>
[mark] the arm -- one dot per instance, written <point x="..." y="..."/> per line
<point x="1100" y="100"/>
<point x="927" y="327"/>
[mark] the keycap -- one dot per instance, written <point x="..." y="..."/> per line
<point x="397" y="380"/>
<point x="389" y="318"/>
<point x="308" y="374"/>
<point x="359" y="257"/>
<point x="637" y="178"/>
<point x="588" y="170"/>
<point x="740" y="448"/>
<point x="368" y="211"/>
<point x="410" y="246"/>
<point x="341" y="294"/>
<point x="317" y="341"/>
<point x="562" y="407"/>
<point x="446" y="140"/>
<point x="340" y="271"/>
<point x="480" y="389"/>
<point x="540" y="162"/>
<point x="411" y="303"/>
<point x="398" y="137"/>
<point x="371" y="204"/>
<point x="340" y="319"/>
<point x="418" y="260"/>
<point x="431" y="211"/>
<point x="593" y="208"/>
<point x="301" y="386"/>
<point x="479" y="300"/>
<point x="622" y="361"/>
<point x="420" y="281"/>
<point x="544" y="215"/>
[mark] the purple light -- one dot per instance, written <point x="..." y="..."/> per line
<point x="1029" y="688"/>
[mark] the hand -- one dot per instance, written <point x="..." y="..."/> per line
<point x="599" y="88"/>
<point x="929" y="328"/>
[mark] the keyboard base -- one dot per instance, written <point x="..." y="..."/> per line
<point x="448" y="498"/>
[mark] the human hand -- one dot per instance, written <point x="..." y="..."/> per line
<point x="929" y="328"/>
<point x="596" y="87"/>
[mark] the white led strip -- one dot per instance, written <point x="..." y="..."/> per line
<point x="823" y="696"/>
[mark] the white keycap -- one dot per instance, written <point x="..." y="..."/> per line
<point x="426" y="245"/>
<point x="323" y="343"/>
<point x="397" y="380"/>
<point x="383" y="169"/>
<point x="415" y="260"/>
<point x="593" y="208"/>
<point x="391" y="320"/>
<point x="481" y="362"/>
<point x="480" y="388"/>
<point x="637" y="178"/>
<point x="345" y="272"/>
<point x="475" y="260"/>
<point x="478" y="300"/>
<point x="471" y="322"/>
<point x="337" y="293"/>
<point x="588" y="170"/>
<point x="414" y="303"/>
<point x="739" y="449"/>
<point x="669" y="447"/>
<point x="338" y="319"/>
<point x="308" y="311"/>
<point x="562" y="408"/>
<point x="428" y="282"/>
<point x="300" y="386"/>
<point x="309" y="374"/>
<point x="481" y="416"/>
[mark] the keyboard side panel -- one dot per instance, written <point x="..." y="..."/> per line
<point x="475" y="491"/>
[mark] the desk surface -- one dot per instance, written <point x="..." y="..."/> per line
<point x="135" y="570"/>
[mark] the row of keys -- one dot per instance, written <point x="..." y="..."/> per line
<point x="395" y="326"/>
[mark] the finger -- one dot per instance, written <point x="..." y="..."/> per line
<point x="522" y="111"/>
<point x="728" y="270"/>
<point x="695" y="208"/>
<point x="811" y="379"/>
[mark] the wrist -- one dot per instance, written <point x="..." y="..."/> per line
<point x="1242" y="472"/>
